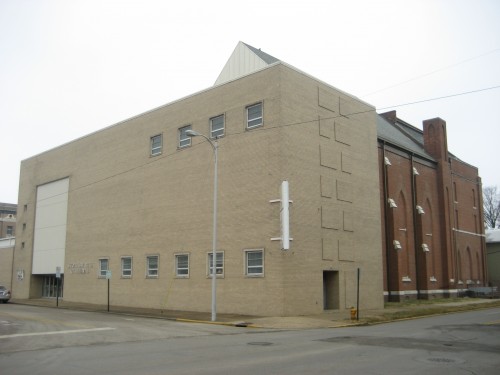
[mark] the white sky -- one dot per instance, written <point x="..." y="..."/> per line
<point x="71" y="67"/>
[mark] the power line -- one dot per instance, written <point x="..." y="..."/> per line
<point x="440" y="97"/>
<point x="430" y="73"/>
<point x="164" y="156"/>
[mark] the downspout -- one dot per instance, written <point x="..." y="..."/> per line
<point x="386" y="225"/>
<point x="482" y="232"/>
<point x="458" y="271"/>
<point x="415" y="240"/>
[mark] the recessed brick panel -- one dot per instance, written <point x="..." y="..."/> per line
<point x="348" y="222"/>
<point x="346" y="162"/>
<point x="346" y="250"/>
<point x="328" y="100"/>
<point x="328" y="155"/>
<point x="330" y="248"/>
<point x="326" y="127"/>
<point x="344" y="191"/>
<point x="342" y="131"/>
<point x="327" y="185"/>
<point x="330" y="217"/>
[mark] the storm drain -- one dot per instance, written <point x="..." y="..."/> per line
<point x="260" y="343"/>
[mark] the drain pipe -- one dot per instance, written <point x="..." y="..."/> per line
<point x="386" y="220"/>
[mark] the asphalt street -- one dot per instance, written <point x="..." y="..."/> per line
<point x="38" y="340"/>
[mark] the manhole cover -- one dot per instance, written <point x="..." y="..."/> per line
<point x="441" y="360"/>
<point x="260" y="343"/>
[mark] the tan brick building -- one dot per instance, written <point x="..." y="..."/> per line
<point x="7" y="220"/>
<point x="135" y="199"/>
<point x="432" y="213"/>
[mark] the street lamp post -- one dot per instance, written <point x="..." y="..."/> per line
<point x="214" y="144"/>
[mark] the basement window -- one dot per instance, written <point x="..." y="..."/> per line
<point x="103" y="267"/>
<point x="127" y="267"/>
<point x="152" y="266"/>
<point x="219" y="264"/>
<point x="254" y="262"/>
<point x="182" y="265"/>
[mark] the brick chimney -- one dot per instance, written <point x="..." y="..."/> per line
<point x="435" y="140"/>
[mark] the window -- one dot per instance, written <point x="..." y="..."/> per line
<point x="254" y="115"/>
<point x="156" y="145"/>
<point x="10" y="230"/>
<point x="217" y="127"/>
<point x="152" y="266"/>
<point x="184" y="139"/>
<point x="127" y="267"/>
<point x="182" y="265"/>
<point x="103" y="267"/>
<point x="219" y="264"/>
<point x="254" y="262"/>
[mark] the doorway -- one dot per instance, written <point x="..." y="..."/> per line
<point x="52" y="286"/>
<point x="331" y="290"/>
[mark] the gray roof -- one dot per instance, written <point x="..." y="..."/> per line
<point x="268" y="59"/>
<point x="492" y="235"/>
<point x="405" y="136"/>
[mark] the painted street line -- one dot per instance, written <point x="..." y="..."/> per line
<point x="57" y="332"/>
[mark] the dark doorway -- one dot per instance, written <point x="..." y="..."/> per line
<point x="330" y="290"/>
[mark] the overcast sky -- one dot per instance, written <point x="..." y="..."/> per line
<point x="71" y="67"/>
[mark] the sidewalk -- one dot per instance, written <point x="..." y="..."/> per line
<point x="327" y="319"/>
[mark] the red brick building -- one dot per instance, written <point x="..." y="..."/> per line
<point x="432" y="219"/>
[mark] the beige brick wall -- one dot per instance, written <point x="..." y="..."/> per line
<point x="122" y="202"/>
<point x="6" y="255"/>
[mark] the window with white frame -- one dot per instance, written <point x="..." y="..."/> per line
<point x="254" y="115"/>
<point x="182" y="265"/>
<point x="152" y="266"/>
<point x="103" y="267"/>
<point x="254" y="262"/>
<point x="217" y="126"/>
<point x="127" y="267"/>
<point x="156" y="145"/>
<point x="184" y="139"/>
<point x="219" y="264"/>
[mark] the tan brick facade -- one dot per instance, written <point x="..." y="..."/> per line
<point x="124" y="203"/>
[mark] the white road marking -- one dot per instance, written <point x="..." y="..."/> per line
<point x="57" y="332"/>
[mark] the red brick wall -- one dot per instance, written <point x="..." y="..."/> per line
<point x="449" y="191"/>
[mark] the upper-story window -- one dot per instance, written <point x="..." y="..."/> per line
<point x="156" y="145"/>
<point x="10" y="230"/>
<point x="217" y="126"/>
<point x="254" y="115"/>
<point x="184" y="139"/>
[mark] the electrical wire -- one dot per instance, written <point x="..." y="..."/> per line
<point x="163" y="157"/>
<point x="430" y="73"/>
<point x="440" y="97"/>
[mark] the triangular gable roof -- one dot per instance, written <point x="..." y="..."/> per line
<point x="244" y="60"/>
